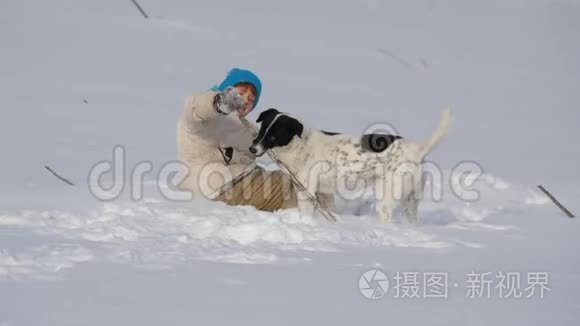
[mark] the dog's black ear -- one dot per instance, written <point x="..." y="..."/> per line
<point x="297" y="127"/>
<point x="266" y="113"/>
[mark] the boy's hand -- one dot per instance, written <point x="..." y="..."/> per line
<point x="228" y="101"/>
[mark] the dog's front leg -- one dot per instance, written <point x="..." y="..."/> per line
<point x="305" y="204"/>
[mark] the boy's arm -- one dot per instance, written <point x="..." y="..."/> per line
<point x="201" y="108"/>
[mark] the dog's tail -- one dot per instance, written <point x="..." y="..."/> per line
<point x="441" y="131"/>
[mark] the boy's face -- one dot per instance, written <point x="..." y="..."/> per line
<point x="247" y="93"/>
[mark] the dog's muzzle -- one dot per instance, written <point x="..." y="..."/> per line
<point x="257" y="150"/>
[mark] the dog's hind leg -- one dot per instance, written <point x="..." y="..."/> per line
<point x="411" y="201"/>
<point x="386" y="210"/>
<point x="411" y="205"/>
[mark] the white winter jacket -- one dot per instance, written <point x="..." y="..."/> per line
<point x="213" y="146"/>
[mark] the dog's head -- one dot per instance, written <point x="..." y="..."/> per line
<point x="277" y="130"/>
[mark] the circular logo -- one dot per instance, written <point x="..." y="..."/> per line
<point x="373" y="284"/>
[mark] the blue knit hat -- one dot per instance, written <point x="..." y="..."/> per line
<point x="236" y="76"/>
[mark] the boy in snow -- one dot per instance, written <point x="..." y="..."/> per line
<point x="214" y="145"/>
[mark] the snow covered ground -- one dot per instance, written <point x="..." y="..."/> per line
<point x="79" y="77"/>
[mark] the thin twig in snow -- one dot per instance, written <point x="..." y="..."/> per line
<point x="58" y="176"/>
<point x="140" y="9"/>
<point x="400" y="60"/>
<point x="564" y="209"/>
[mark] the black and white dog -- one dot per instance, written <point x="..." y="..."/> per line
<point x="324" y="161"/>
